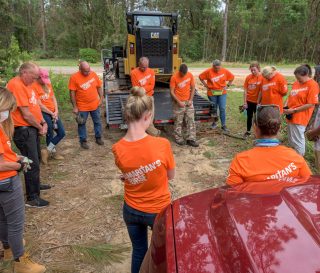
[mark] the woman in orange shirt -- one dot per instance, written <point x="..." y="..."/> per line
<point x="12" y="212"/>
<point x="251" y="88"/>
<point x="300" y="104"/>
<point x="147" y="164"/>
<point x="49" y="108"/>
<point x="269" y="166"/>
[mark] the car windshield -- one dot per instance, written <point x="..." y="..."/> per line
<point x="149" y="21"/>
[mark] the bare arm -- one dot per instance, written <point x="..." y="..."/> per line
<point x="44" y="108"/>
<point x="55" y="106"/>
<point x="298" y="109"/>
<point x="27" y="115"/>
<point x="259" y="97"/>
<point x="8" y="166"/>
<point x="171" y="174"/>
<point x="245" y="96"/>
<point x="73" y="101"/>
<point x="173" y="95"/>
<point x="100" y="92"/>
<point x="204" y="83"/>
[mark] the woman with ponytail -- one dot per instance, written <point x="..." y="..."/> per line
<point x="300" y="104"/>
<point x="269" y="166"/>
<point x="147" y="165"/>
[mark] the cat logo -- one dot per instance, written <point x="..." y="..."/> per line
<point x="155" y="35"/>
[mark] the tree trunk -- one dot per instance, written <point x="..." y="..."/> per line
<point x="225" y="31"/>
<point x="43" y="26"/>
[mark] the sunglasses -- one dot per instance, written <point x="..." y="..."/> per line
<point x="260" y="107"/>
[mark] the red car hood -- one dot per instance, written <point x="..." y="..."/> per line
<point x="220" y="230"/>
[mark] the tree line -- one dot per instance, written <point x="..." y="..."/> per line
<point x="263" y="30"/>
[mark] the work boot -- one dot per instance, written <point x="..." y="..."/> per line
<point x="44" y="187"/>
<point x="180" y="142"/>
<point x="192" y="143"/>
<point x="44" y="156"/>
<point x="26" y="265"/>
<point x="247" y="134"/>
<point x="99" y="141"/>
<point x="153" y="131"/>
<point x="84" y="145"/>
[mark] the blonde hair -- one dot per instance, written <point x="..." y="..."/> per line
<point x="255" y="64"/>
<point x="27" y="67"/>
<point x="7" y="102"/>
<point x="137" y="104"/>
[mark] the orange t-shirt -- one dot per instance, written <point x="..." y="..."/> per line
<point x="301" y="94"/>
<point x="144" y="165"/>
<point x="45" y="98"/>
<point x="144" y="79"/>
<point x="252" y="85"/>
<point x="86" y="90"/>
<point x="7" y="153"/>
<point x="216" y="80"/>
<point x="274" y="90"/>
<point x="251" y="170"/>
<point x="182" y="85"/>
<point x="25" y="97"/>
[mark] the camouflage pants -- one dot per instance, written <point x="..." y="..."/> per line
<point x="184" y="115"/>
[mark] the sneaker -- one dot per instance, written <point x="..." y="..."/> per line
<point x="44" y="187"/>
<point x="247" y="134"/>
<point x="37" y="203"/>
<point x="192" y="143"/>
<point x="99" y="141"/>
<point x="84" y="145"/>
<point x="26" y="265"/>
<point x="180" y="142"/>
<point x="214" y="126"/>
<point x="44" y="156"/>
<point x="225" y="129"/>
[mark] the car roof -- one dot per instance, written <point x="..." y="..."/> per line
<point x="221" y="230"/>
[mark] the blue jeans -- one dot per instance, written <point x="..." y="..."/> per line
<point x="221" y="102"/>
<point x="60" y="133"/>
<point x="137" y="224"/>
<point x="82" y="130"/>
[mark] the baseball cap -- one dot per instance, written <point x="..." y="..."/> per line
<point x="44" y="76"/>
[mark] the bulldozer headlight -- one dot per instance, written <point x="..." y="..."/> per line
<point x="131" y="48"/>
<point x="175" y="49"/>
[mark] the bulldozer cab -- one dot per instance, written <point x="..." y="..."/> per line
<point x="153" y="35"/>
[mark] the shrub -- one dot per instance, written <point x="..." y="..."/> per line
<point x="89" y="54"/>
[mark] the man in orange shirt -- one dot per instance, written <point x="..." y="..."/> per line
<point x="182" y="88"/>
<point x="300" y="104"/>
<point x="86" y="97"/>
<point x="29" y="124"/>
<point x="217" y="79"/>
<point x="273" y="88"/>
<point x="143" y="76"/>
<point x="269" y="166"/>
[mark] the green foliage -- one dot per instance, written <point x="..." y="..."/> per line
<point x="60" y="86"/>
<point x="101" y="253"/>
<point x="89" y="54"/>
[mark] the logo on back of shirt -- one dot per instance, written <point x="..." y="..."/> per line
<point x="138" y="176"/>
<point x="216" y="79"/>
<point x="281" y="174"/>
<point x="87" y="84"/>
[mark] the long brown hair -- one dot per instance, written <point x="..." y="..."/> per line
<point x="7" y="102"/>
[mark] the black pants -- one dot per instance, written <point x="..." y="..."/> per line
<point x="252" y="107"/>
<point x="28" y="142"/>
